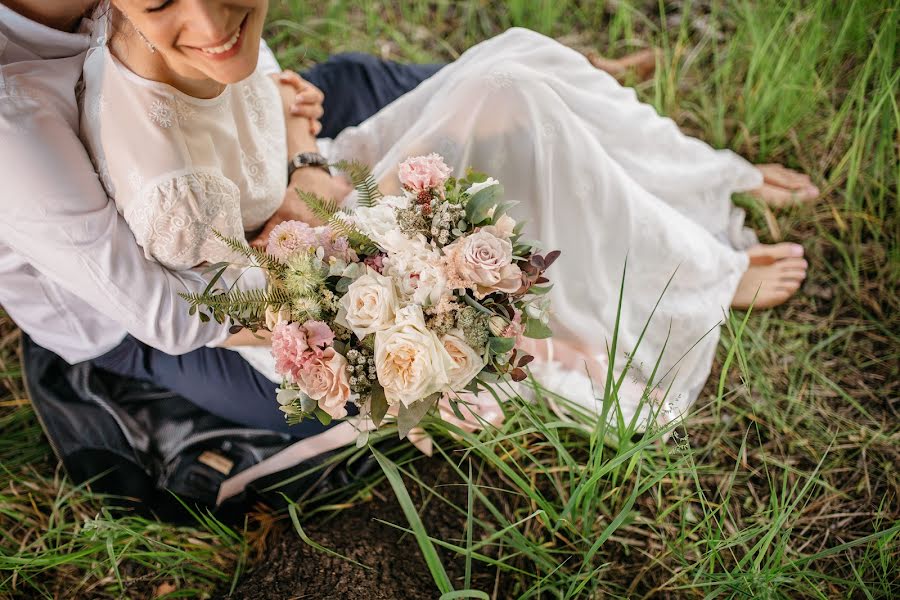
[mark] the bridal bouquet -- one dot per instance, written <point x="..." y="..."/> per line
<point x="397" y="302"/>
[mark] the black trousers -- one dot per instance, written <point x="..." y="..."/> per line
<point x="356" y="86"/>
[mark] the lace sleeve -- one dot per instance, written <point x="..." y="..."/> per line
<point x="175" y="218"/>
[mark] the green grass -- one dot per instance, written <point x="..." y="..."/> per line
<point x="783" y="483"/>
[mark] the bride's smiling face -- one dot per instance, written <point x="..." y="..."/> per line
<point x="201" y="39"/>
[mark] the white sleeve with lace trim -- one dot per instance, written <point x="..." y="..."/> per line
<point x="177" y="215"/>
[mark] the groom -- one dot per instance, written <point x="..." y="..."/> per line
<point x="71" y="274"/>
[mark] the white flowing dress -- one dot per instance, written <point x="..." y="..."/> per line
<point x="599" y="176"/>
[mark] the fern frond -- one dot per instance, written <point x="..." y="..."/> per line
<point x="323" y="209"/>
<point x="247" y="307"/>
<point x="241" y="247"/>
<point x="360" y="242"/>
<point x="363" y="180"/>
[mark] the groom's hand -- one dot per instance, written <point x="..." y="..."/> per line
<point x="307" y="179"/>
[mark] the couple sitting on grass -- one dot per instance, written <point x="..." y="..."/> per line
<point x="184" y="123"/>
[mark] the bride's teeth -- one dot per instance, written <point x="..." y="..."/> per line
<point x="226" y="46"/>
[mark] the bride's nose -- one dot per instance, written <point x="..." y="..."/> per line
<point x="207" y="20"/>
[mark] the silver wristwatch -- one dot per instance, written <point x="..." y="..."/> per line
<point x="307" y="159"/>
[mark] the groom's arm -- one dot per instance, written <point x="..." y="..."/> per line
<point x="57" y="216"/>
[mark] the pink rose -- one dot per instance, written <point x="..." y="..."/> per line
<point x="424" y="173"/>
<point x="484" y="262"/>
<point x="324" y="379"/>
<point x="289" y="346"/>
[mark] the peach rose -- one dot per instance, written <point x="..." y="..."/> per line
<point x="324" y="379"/>
<point x="410" y="360"/>
<point x="466" y="362"/>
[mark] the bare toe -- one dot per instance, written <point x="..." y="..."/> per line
<point x="766" y="254"/>
<point x="781" y="176"/>
<point x="783" y="186"/>
<point x="775" y="274"/>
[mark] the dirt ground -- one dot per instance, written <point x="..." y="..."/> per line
<point x="294" y="570"/>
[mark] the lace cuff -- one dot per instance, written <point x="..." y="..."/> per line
<point x="175" y="219"/>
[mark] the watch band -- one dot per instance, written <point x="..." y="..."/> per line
<point x="307" y="159"/>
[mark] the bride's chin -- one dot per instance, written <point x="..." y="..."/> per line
<point x="228" y="74"/>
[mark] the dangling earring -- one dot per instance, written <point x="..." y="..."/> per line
<point x="146" y="41"/>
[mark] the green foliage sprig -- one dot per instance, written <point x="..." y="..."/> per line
<point x="363" y="180"/>
<point x="330" y="212"/>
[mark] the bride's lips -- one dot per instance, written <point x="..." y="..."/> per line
<point x="227" y="48"/>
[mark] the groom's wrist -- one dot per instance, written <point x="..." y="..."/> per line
<point x="299" y="138"/>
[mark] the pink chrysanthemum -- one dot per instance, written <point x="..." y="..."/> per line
<point x="291" y="237"/>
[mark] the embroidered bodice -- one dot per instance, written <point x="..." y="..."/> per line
<point x="178" y="167"/>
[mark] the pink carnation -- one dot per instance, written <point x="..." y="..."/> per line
<point x="318" y="334"/>
<point x="295" y="345"/>
<point x="289" y="346"/>
<point x="424" y="173"/>
<point x="376" y="261"/>
<point x="515" y="329"/>
<point x="291" y="237"/>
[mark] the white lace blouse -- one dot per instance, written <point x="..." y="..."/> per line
<point x="179" y="167"/>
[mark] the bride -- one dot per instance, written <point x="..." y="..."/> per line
<point x="187" y="133"/>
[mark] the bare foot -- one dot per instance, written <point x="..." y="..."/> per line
<point x="783" y="187"/>
<point x="774" y="275"/>
<point x="641" y="63"/>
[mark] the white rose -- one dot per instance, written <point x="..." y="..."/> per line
<point x="419" y="273"/>
<point x="410" y="360"/>
<point x="369" y="304"/>
<point x="477" y="187"/>
<point x="379" y="222"/>
<point x="466" y="362"/>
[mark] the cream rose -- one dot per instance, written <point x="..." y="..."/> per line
<point x="466" y="362"/>
<point x="324" y="379"/>
<point x="502" y="228"/>
<point x="274" y="317"/>
<point x="369" y="304"/>
<point x="485" y="261"/>
<point x="410" y="360"/>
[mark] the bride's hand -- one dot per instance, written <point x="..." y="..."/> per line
<point x="308" y="179"/>
<point x="301" y="99"/>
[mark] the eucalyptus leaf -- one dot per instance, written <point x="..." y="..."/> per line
<point x="480" y="204"/>
<point x="503" y="209"/>
<point x="540" y="290"/>
<point x="343" y="285"/>
<point x="476" y="305"/>
<point x="537" y="330"/>
<point x="323" y="417"/>
<point x="501" y="345"/>
<point x="409" y="416"/>
<point x="379" y="405"/>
